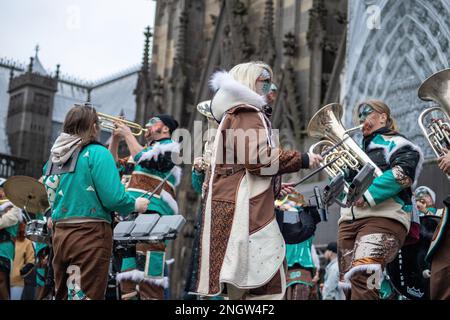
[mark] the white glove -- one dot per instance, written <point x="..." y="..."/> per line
<point x="141" y="205"/>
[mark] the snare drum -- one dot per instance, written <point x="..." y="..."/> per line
<point x="36" y="230"/>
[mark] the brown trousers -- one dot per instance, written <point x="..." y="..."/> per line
<point x="367" y="241"/>
<point x="143" y="290"/>
<point x="4" y="286"/>
<point x="84" y="251"/>
<point x="298" y="291"/>
<point x="440" y="269"/>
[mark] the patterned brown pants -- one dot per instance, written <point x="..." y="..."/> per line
<point x="364" y="243"/>
<point x="82" y="253"/>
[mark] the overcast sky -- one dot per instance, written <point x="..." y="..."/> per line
<point x="89" y="38"/>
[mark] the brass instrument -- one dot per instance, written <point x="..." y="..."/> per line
<point x="204" y="108"/>
<point x="437" y="132"/>
<point x="107" y="122"/>
<point x="348" y="155"/>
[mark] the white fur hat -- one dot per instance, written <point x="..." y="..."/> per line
<point x="426" y="190"/>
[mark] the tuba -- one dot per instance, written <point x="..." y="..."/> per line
<point x="437" y="131"/>
<point x="345" y="152"/>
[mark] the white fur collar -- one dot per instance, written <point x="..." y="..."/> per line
<point x="159" y="148"/>
<point x="230" y="93"/>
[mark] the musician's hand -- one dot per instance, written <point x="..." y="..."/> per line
<point x="360" y="203"/>
<point x="122" y="130"/>
<point x="316" y="278"/>
<point x="286" y="188"/>
<point x="314" y="160"/>
<point x="198" y="164"/>
<point x="141" y="205"/>
<point x="444" y="161"/>
<point x="49" y="223"/>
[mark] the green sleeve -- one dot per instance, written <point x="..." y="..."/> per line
<point x="197" y="181"/>
<point x="105" y="177"/>
<point x="139" y="155"/>
<point x="382" y="188"/>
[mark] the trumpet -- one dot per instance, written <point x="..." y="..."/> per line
<point x="107" y="122"/>
<point x="437" y="132"/>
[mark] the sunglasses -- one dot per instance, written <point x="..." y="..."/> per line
<point x="152" y="121"/>
<point x="364" y="112"/>
<point x="422" y="193"/>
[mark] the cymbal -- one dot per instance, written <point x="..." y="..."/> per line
<point x="26" y="193"/>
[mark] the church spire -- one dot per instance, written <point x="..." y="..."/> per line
<point x="269" y="16"/>
<point x="146" y="58"/>
<point x="36" y="65"/>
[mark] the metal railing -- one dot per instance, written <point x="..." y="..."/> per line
<point x="11" y="166"/>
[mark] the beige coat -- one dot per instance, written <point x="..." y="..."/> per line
<point x="240" y="241"/>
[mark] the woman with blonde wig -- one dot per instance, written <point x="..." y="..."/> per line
<point x="242" y="251"/>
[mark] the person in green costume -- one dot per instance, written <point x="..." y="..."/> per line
<point x="83" y="188"/>
<point x="147" y="166"/>
<point x="9" y="219"/>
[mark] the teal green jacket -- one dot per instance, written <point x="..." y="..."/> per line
<point x="93" y="190"/>
<point x="7" y="248"/>
<point x="389" y="195"/>
<point x="197" y="180"/>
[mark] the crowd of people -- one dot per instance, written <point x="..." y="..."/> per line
<point x="254" y="234"/>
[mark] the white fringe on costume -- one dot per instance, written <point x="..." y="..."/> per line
<point x="138" y="276"/>
<point x="344" y="285"/>
<point x="364" y="268"/>
<point x="167" y="198"/>
<point x="158" y="149"/>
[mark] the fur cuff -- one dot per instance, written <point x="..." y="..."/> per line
<point x="344" y="285"/>
<point x="6" y="205"/>
<point x="138" y="276"/>
<point x="364" y="268"/>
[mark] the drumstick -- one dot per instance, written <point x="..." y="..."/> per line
<point x="158" y="186"/>
<point x="316" y="171"/>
